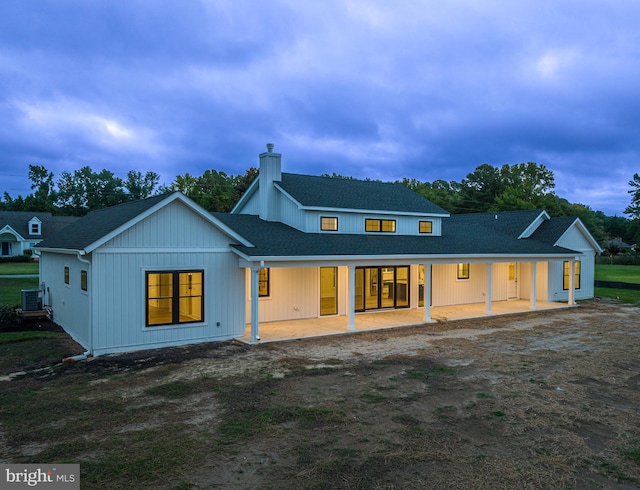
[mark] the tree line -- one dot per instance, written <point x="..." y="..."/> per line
<point x="486" y="189"/>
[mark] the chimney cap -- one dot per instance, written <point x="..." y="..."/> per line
<point x="269" y="147"/>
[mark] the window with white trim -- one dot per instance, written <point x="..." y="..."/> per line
<point x="174" y="297"/>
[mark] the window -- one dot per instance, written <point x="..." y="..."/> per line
<point x="263" y="283"/>
<point x="426" y="227"/>
<point x="83" y="280"/>
<point x="328" y="223"/>
<point x="174" y="297"/>
<point x="66" y="274"/>
<point x="567" y="272"/>
<point x="384" y="225"/>
<point x="34" y="226"/>
<point x="463" y="271"/>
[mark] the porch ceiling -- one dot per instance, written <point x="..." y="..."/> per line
<point x="381" y="320"/>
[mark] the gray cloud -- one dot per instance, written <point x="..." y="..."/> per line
<point x="366" y="88"/>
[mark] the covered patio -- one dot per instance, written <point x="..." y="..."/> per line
<point x="381" y="320"/>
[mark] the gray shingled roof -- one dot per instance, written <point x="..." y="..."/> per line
<point x="19" y="221"/>
<point x="462" y="235"/>
<point x="327" y="192"/>
<point x="551" y="230"/>
<point x="99" y="223"/>
<point x="466" y="237"/>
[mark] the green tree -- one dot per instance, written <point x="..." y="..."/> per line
<point x="633" y="209"/>
<point x="44" y="195"/>
<point x="85" y="191"/>
<point x="525" y="186"/>
<point x="478" y="192"/>
<point x="141" y="186"/>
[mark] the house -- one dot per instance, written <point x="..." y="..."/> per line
<point x="22" y="230"/>
<point x="164" y="272"/>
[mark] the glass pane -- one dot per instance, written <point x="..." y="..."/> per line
<point x="402" y="287"/>
<point x="421" y="285"/>
<point x="190" y="284"/>
<point x="328" y="290"/>
<point x="191" y="309"/>
<point x="359" y="290"/>
<point x="512" y="272"/>
<point x="372" y="225"/>
<point x="159" y="311"/>
<point x="371" y="288"/>
<point x="388" y="225"/>
<point x="388" y="289"/>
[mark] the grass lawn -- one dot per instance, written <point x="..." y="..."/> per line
<point x="625" y="295"/>
<point x="8" y="268"/>
<point x="11" y="289"/>
<point x="619" y="273"/>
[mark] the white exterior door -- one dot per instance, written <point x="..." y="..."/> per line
<point x="512" y="282"/>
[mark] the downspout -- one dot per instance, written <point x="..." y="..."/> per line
<point x="89" y="352"/>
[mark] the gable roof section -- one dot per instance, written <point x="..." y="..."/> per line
<point x="101" y="225"/>
<point x="552" y="231"/>
<point x="277" y="241"/>
<point x="18" y="221"/>
<point x="314" y="192"/>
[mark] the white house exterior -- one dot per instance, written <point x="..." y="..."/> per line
<point x="22" y="230"/>
<point x="163" y="271"/>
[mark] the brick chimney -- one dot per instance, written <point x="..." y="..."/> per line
<point x="270" y="172"/>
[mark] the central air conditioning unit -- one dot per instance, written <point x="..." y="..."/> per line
<point x="31" y="300"/>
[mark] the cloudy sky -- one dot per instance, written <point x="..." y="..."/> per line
<point x="367" y="88"/>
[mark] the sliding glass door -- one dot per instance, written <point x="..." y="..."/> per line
<point x="382" y="287"/>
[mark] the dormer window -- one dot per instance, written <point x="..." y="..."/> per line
<point x="35" y="226"/>
<point x="380" y="225"/>
<point x="328" y="223"/>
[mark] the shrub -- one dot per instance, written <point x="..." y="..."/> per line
<point x="8" y="316"/>
<point x="26" y="257"/>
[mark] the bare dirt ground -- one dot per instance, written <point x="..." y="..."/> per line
<point x="539" y="400"/>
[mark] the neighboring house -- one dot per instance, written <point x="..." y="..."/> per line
<point x="163" y="271"/>
<point x="22" y="230"/>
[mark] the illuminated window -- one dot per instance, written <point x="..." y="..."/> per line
<point x="83" y="280"/>
<point x="426" y="227"/>
<point x="66" y="274"/>
<point x="328" y="223"/>
<point x="463" y="271"/>
<point x="174" y="297"/>
<point x="263" y="283"/>
<point x="566" y="266"/>
<point x="385" y="225"/>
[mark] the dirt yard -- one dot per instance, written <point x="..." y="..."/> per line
<point x="538" y="400"/>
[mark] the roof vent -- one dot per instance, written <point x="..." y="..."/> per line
<point x="496" y="216"/>
<point x="269" y="147"/>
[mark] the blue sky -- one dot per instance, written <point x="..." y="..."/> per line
<point x="419" y="89"/>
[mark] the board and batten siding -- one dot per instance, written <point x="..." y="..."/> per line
<point x="573" y="239"/>
<point x="294" y="294"/>
<point x="354" y="223"/>
<point x="69" y="303"/>
<point x="123" y="328"/>
<point x="173" y="238"/>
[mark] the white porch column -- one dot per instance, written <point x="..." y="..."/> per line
<point x="427" y="292"/>
<point x="255" y="289"/>
<point x="572" y="282"/>
<point x="489" y="287"/>
<point x="352" y="298"/>
<point x="534" y="285"/>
